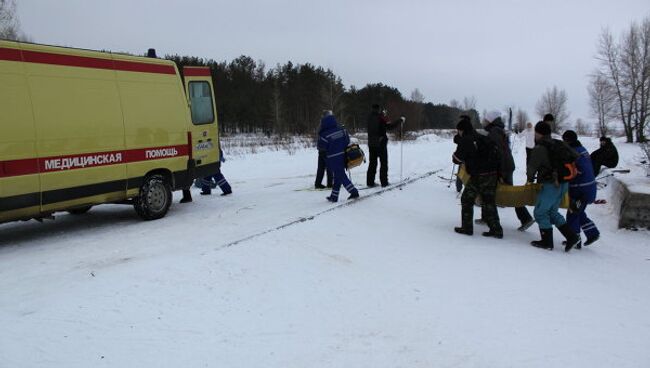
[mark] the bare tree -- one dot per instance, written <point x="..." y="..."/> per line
<point x="581" y="127"/>
<point x="626" y="67"/>
<point x="332" y="95"/>
<point x="469" y="103"/>
<point x="417" y="96"/>
<point x="417" y="100"/>
<point x="9" y="24"/>
<point x="8" y="20"/>
<point x="454" y="103"/>
<point x="521" y="119"/>
<point x="554" y="101"/>
<point x="602" y="101"/>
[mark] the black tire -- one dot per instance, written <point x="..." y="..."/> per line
<point x="79" y="210"/>
<point x="154" y="198"/>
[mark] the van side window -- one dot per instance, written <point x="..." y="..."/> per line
<point x="201" y="103"/>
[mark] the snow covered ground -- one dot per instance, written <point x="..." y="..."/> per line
<point x="384" y="282"/>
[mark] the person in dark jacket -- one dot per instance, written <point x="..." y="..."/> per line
<point x="548" y="200"/>
<point x="496" y="132"/>
<point x="582" y="191"/>
<point x="321" y="170"/>
<point x="378" y="124"/>
<point x="322" y="165"/>
<point x="333" y="139"/>
<point x="471" y="151"/>
<point x="219" y="179"/>
<point x="606" y="155"/>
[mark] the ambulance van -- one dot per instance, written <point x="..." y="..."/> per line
<point x="80" y="128"/>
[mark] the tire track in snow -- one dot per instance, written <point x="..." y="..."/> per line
<point x="342" y="205"/>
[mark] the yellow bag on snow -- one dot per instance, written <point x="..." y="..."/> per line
<point x="514" y="195"/>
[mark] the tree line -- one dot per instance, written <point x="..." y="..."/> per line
<point x="290" y="98"/>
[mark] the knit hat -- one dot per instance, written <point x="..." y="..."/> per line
<point x="543" y="128"/>
<point x="492" y="116"/>
<point x="549" y="117"/>
<point x="465" y="124"/>
<point x="569" y="136"/>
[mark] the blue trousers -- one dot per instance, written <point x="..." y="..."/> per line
<point x="548" y="202"/>
<point x="219" y="179"/>
<point x="578" y="220"/>
<point x="338" y="170"/>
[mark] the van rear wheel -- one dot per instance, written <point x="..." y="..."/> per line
<point x="154" y="198"/>
<point x="79" y="210"/>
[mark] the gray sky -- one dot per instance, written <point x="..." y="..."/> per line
<point x="503" y="52"/>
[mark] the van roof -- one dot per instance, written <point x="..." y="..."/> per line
<point x="80" y="53"/>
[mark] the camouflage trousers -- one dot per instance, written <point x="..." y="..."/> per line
<point x="486" y="187"/>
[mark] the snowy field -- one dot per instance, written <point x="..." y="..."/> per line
<point x="382" y="282"/>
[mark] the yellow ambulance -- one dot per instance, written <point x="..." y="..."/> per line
<point x="80" y="128"/>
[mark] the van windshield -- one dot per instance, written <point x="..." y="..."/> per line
<point x="201" y="103"/>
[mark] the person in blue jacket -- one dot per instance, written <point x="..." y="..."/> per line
<point x="333" y="139"/>
<point x="582" y="191"/>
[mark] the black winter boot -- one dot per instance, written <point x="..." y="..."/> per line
<point x="592" y="239"/>
<point x="572" y="239"/>
<point x="462" y="230"/>
<point x="493" y="234"/>
<point x="187" y="196"/>
<point x="354" y="195"/>
<point x="547" y="239"/>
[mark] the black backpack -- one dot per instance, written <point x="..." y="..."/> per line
<point x="563" y="160"/>
<point x="487" y="152"/>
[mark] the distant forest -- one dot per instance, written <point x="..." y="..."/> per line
<point x="289" y="99"/>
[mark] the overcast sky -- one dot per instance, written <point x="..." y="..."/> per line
<point x="503" y="52"/>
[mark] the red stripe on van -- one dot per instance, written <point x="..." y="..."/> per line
<point x="19" y="167"/>
<point x="10" y="54"/>
<point x="87" y="160"/>
<point x="67" y="60"/>
<point x="84" y="61"/>
<point x="196" y="72"/>
<point x="131" y="66"/>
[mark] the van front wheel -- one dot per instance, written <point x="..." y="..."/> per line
<point x="154" y="198"/>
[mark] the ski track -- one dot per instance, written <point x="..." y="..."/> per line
<point x="392" y="187"/>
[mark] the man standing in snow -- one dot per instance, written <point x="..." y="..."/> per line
<point x="480" y="157"/>
<point x="333" y="139"/>
<point x="496" y="132"/>
<point x="530" y="140"/>
<point x="582" y="191"/>
<point x="542" y="167"/>
<point x="322" y="168"/>
<point x="378" y="124"/>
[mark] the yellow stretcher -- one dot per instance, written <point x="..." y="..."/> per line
<point x="515" y="195"/>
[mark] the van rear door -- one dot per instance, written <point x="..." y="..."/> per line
<point x="204" y="129"/>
